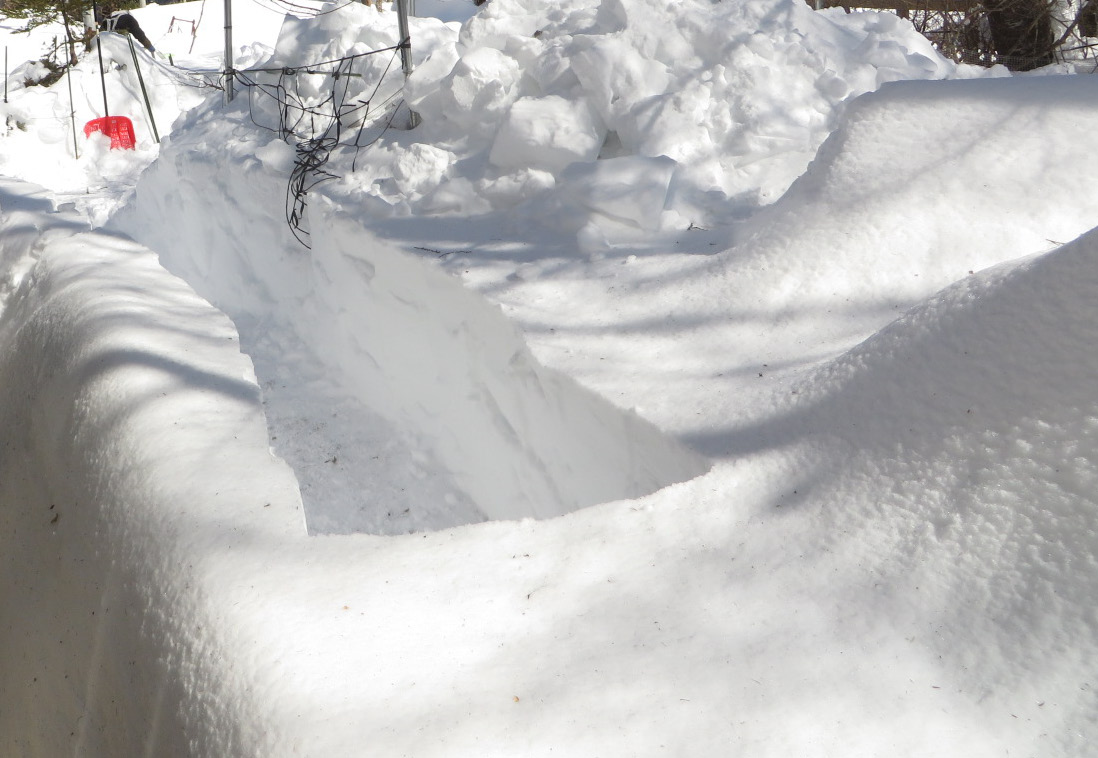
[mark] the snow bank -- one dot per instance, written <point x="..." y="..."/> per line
<point x="854" y="557"/>
<point x="969" y="496"/>
<point x="134" y="475"/>
<point x="879" y="214"/>
<point x="892" y="554"/>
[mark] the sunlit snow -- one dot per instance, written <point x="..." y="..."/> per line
<point x="695" y="379"/>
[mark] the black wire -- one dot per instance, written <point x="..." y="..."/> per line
<point x="303" y="11"/>
<point x="317" y="128"/>
<point x="309" y="68"/>
<point x="269" y="5"/>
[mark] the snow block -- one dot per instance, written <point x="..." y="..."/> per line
<point x="631" y="189"/>
<point x="547" y="133"/>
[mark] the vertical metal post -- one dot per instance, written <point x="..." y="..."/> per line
<point x="228" y="51"/>
<point x="5" y="73"/>
<point x="144" y="92"/>
<point x="406" y="51"/>
<point x="405" y="39"/>
<point x="102" y="76"/>
<point x="72" y="111"/>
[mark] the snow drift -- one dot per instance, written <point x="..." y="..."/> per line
<point x="970" y="490"/>
<point x="998" y="140"/>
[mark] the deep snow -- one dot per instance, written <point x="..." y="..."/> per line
<point x="814" y="334"/>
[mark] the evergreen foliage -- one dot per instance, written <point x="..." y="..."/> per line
<point x="70" y="13"/>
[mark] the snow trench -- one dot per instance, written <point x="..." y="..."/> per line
<point x="356" y="337"/>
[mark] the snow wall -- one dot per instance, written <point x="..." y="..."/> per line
<point x="118" y="385"/>
<point x="400" y="337"/>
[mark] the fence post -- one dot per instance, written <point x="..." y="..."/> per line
<point x="228" y="51"/>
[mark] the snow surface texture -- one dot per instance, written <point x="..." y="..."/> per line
<point x="891" y="552"/>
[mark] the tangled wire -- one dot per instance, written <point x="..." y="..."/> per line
<point x="317" y="124"/>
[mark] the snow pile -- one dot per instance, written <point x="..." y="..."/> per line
<point x="969" y="500"/>
<point x="713" y="106"/>
<point x="576" y="112"/>
<point x="931" y="216"/>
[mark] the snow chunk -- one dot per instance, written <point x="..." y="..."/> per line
<point x="547" y="133"/>
<point x="479" y="88"/>
<point x="632" y="189"/>
<point x="277" y="155"/>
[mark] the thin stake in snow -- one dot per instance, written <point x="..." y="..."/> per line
<point x="406" y="49"/>
<point x="405" y="37"/>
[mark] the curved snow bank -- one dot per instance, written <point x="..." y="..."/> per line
<point x="971" y="492"/>
<point x="395" y="335"/>
<point x="877" y="214"/>
<point x="135" y="470"/>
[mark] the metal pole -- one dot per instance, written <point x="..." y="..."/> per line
<point x="6" y="74"/>
<point x="406" y="51"/>
<point x="228" y="51"/>
<point x="102" y="76"/>
<point x="144" y="92"/>
<point x="72" y="112"/>
<point x="405" y="39"/>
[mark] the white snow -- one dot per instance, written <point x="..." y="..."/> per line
<point x="694" y="379"/>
